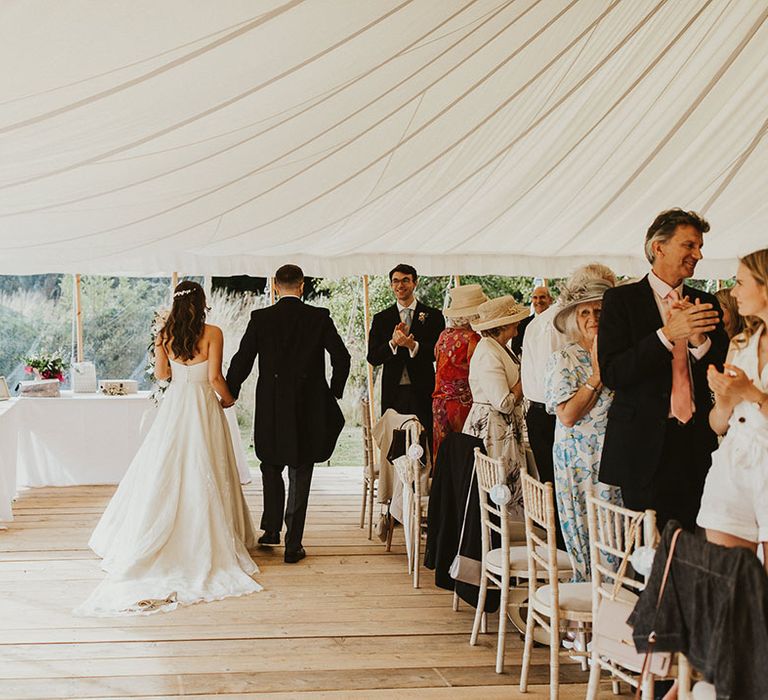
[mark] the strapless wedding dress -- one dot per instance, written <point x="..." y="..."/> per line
<point x="177" y="530"/>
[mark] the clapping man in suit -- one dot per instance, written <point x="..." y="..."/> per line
<point x="403" y="339"/>
<point x="298" y="419"/>
<point x="656" y="339"/>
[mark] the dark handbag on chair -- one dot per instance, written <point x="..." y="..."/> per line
<point x="649" y="654"/>
<point x="397" y="446"/>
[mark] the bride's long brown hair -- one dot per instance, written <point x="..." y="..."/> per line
<point x="186" y="322"/>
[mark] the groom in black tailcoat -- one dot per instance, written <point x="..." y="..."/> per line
<point x="298" y="419"/>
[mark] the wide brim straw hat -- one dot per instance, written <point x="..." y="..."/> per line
<point x="465" y="299"/>
<point x="499" y="312"/>
<point x="571" y="297"/>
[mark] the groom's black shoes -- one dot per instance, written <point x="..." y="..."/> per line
<point x="293" y="557"/>
<point x="270" y="537"/>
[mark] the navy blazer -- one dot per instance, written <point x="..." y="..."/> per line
<point x="638" y="367"/>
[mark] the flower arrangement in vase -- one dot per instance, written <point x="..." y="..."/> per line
<point x="45" y="365"/>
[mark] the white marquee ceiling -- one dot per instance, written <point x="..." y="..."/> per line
<point x="465" y="136"/>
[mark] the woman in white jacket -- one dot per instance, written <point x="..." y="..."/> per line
<point x="496" y="415"/>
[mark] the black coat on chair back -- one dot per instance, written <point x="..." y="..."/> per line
<point x="638" y="367"/>
<point x="454" y="493"/>
<point x="298" y="420"/>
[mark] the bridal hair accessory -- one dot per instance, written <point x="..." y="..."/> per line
<point x="182" y="293"/>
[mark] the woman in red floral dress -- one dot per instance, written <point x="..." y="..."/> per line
<point x="452" y="398"/>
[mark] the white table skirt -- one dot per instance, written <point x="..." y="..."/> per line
<point x="80" y="439"/>
<point x="8" y="432"/>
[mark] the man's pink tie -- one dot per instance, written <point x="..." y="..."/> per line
<point x="681" y="402"/>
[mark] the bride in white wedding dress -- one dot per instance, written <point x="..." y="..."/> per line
<point x="177" y="530"/>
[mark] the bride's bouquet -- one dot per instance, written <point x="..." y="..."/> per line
<point x="158" y="385"/>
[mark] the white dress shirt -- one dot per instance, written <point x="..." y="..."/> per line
<point x="660" y="291"/>
<point x="540" y="341"/>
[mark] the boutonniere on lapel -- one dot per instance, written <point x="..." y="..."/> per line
<point x="422" y="316"/>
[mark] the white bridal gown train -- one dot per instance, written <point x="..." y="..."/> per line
<point x="178" y="523"/>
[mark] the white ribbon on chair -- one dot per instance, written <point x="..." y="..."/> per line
<point x="416" y="451"/>
<point x="642" y="560"/>
<point x="402" y="467"/>
<point x="501" y="494"/>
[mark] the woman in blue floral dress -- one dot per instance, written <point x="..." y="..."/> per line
<point x="577" y="396"/>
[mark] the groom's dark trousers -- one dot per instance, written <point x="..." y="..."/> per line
<point x="299" y="479"/>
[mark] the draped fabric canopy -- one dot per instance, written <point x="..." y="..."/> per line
<point x="464" y="136"/>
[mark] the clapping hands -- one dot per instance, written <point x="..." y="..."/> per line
<point x="731" y="385"/>
<point x="690" y="321"/>
<point x="402" y="338"/>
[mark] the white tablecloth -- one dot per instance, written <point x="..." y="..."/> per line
<point x="80" y="439"/>
<point x="8" y="433"/>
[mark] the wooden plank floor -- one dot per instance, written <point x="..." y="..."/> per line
<point x="344" y="623"/>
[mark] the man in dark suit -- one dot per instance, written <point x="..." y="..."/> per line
<point x="297" y="417"/>
<point x="403" y="339"/>
<point x="656" y="339"/>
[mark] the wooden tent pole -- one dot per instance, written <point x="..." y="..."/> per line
<point x="78" y="319"/>
<point x="174" y="281"/>
<point x="367" y="319"/>
<point x="271" y="290"/>
<point x="456" y="280"/>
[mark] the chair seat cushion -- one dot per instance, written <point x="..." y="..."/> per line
<point x="518" y="560"/>
<point x="576" y="597"/>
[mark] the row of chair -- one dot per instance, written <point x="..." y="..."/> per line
<point x="532" y="575"/>
<point x="553" y="602"/>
